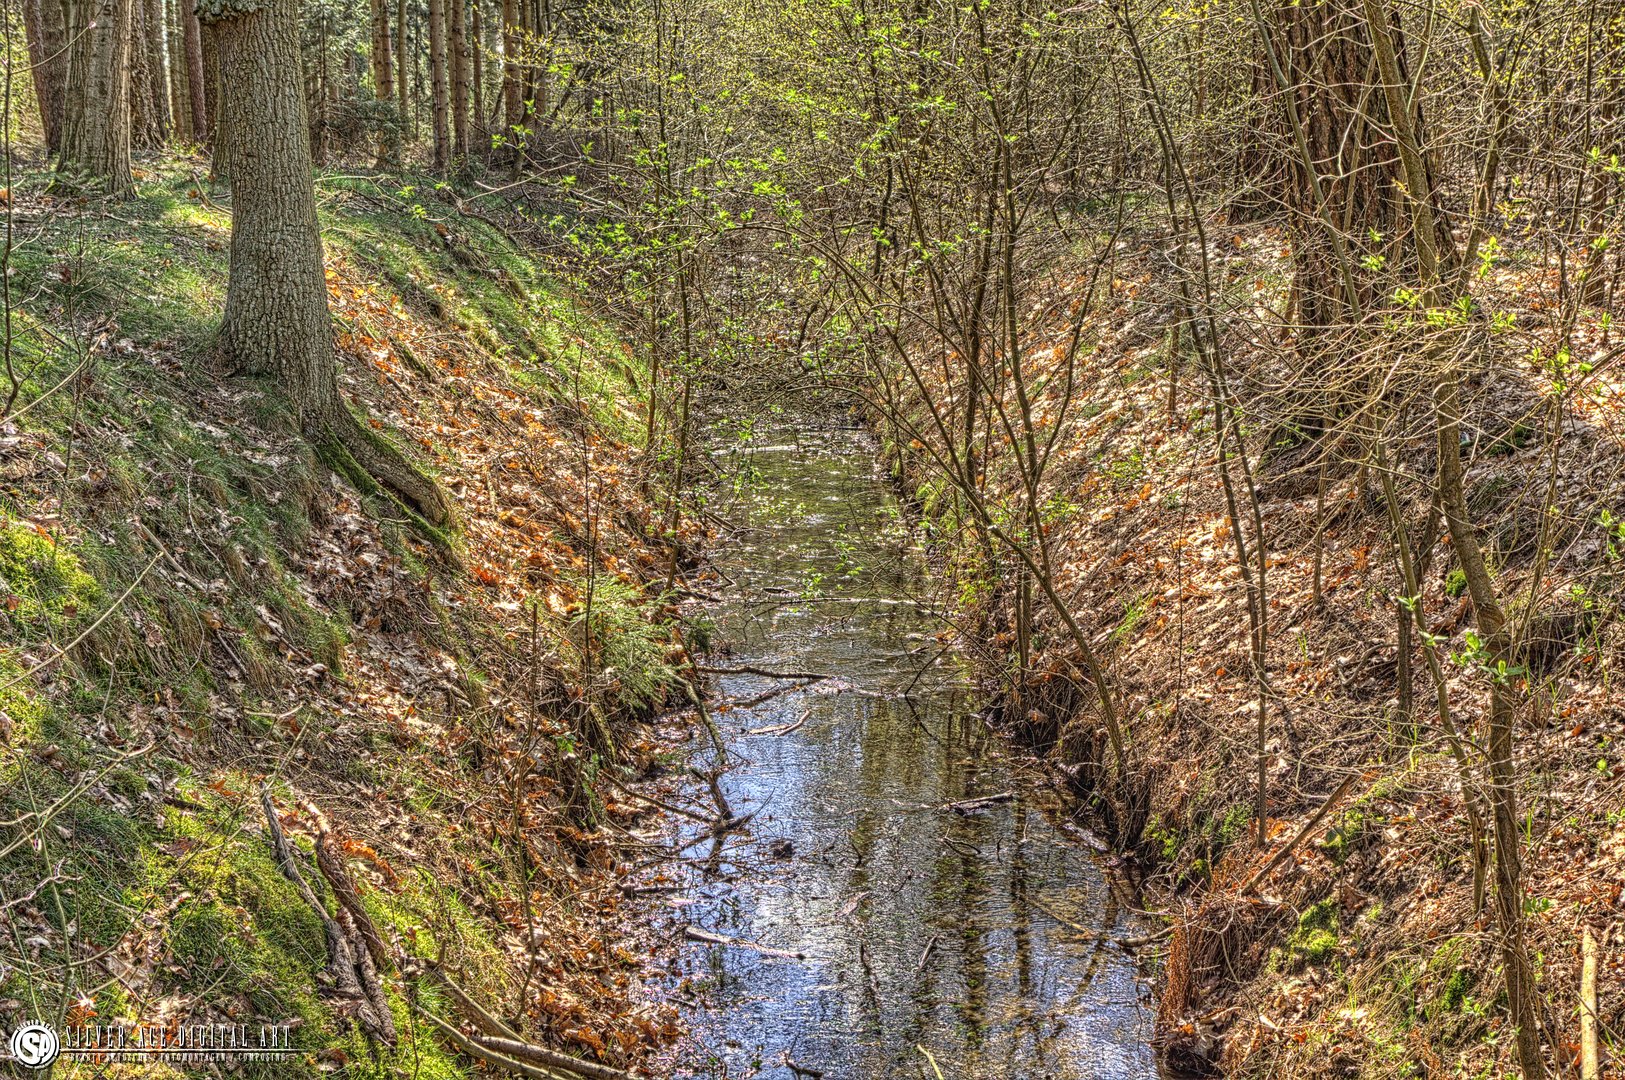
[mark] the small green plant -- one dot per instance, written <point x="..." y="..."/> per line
<point x="1455" y="584"/>
<point x="1315" y="939"/>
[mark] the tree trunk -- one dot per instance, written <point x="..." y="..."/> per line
<point x="459" y="81"/>
<point x="276" y="318"/>
<point x="149" y="122"/>
<point x="180" y="94"/>
<point x="513" y="102"/>
<point x="196" y="97"/>
<point x="47" y="37"/>
<point x="218" y="133"/>
<point x="158" y="61"/>
<point x="437" y="76"/>
<point x="96" y="102"/>
<point x="401" y="69"/>
<point x="478" y="128"/>
<point x="383" y="85"/>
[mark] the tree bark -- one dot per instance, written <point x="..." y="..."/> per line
<point x="458" y="41"/>
<point x="96" y="102"/>
<point x="47" y="58"/>
<point x="402" y="59"/>
<point x="383" y="85"/>
<point x="437" y="77"/>
<point x="149" y="113"/>
<point x="513" y="100"/>
<point x="478" y="127"/>
<point x="218" y="133"/>
<point x="196" y="95"/>
<point x="157" y="58"/>
<point x="276" y="319"/>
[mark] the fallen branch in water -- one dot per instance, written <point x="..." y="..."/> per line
<point x="781" y="729"/>
<point x="694" y="933"/>
<point x="799" y="1069"/>
<point x="746" y="669"/>
<point x="672" y="808"/>
<point x="966" y="806"/>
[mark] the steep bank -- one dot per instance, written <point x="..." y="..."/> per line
<point x="195" y="605"/>
<point x="1357" y="952"/>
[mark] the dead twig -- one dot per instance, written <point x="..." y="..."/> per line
<point x="349" y="964"/>
<point x="1315" y="819"/>
<point x="694" y="933"/>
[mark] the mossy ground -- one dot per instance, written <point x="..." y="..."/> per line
<point x="193" y="604"/>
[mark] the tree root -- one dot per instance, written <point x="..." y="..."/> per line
<point x="373" y="464"/>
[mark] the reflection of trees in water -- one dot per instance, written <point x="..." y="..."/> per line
<point x="928" y="916"/>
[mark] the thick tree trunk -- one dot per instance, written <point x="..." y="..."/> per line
<point x="383" y="86"/>
<point x="47" y="39"/>
<point x="276" y="319"/>
<point x="437" y="76"/>
<point x="459" y="80"/>
<point x="96" y="104"/>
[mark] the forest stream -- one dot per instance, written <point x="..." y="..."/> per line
<point x="903" y="902"/>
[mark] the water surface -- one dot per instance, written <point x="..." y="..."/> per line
<point x="928" y="939"/>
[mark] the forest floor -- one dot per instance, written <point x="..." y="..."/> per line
<point x="1360" y="954"/>
<point x="195" y="607"/>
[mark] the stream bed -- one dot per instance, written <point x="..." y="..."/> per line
<point x="865" y="926"/>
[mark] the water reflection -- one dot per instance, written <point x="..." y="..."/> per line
<point x="966" y="942"/>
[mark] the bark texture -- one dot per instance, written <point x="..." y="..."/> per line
<point x="383" y="86"/>
<point x="437" y="77"/>
<point x="458" y="43"/>
<point x="276" y="319"/>
<point x="149" y="97"/>
<point x="513" y="102"/>
<point x="196" y="95"/>
<point x="47" y="57"/>
<point x="96" y="103"/>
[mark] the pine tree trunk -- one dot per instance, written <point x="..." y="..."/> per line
<point x="47" y="36"/>
<point x="383" y="85"/>
<point x="401" y="81"/>
<point x="276" y="318"/>
<point x="437" y="76"/>
<point x="218" y="133"/>
<point x="96" y="102"/>
<point x="513" y="102"/>
<point x="477" y="118"/>
<point x="459" y="81"/>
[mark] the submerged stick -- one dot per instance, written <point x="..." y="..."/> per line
<point x="694" y="933"/>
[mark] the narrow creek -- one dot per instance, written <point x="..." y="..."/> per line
<point x="896" y="935"/>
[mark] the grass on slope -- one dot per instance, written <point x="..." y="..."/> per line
<point x="190" y="604"/>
